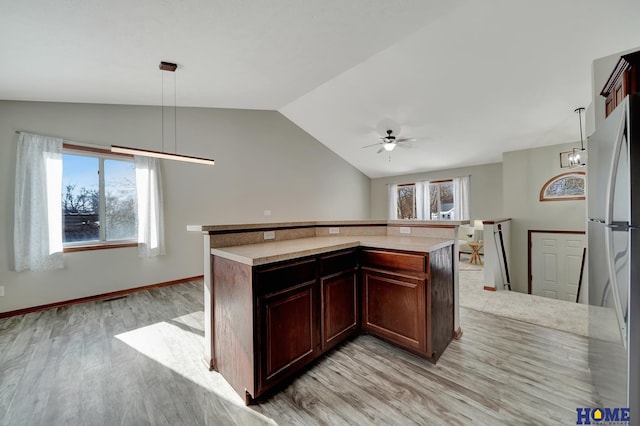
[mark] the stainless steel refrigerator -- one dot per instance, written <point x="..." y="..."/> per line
<point x="613" y="209"/>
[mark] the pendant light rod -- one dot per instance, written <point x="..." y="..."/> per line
<point x="171" y="67"/>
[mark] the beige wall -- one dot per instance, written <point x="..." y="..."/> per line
<point x="485" y="188"/>
<point x="263" y="161"/>
<point x="524" y="174"/>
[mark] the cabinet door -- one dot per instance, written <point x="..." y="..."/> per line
<point x="394" y="308"/>
<point x="339" y="307"/>
<point x="288" y="324"/>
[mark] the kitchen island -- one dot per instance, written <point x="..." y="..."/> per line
<point x="272" y="308"/>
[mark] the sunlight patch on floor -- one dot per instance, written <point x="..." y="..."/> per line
<point x="181" y="350"/>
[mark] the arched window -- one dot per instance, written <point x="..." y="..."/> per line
<point x="565" y="186"/>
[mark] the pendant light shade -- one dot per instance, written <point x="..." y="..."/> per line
<point x="159" y="154"/>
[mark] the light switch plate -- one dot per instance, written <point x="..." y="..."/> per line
<point x="405" y="230"/>
<point x="270" y="235"/>
<point x="334" y="230"/>
<point x="1" y="290"/>
<point x="267" y="212"/>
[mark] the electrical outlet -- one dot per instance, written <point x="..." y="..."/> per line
<point x="405" y="230"/>
<point x="334" y="230"/>
<point x="267" y="212"/>
<point x="1" y="290"/>
<point x="270" y="235"/>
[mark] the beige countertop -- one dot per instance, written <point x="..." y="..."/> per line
<point x="263" y="253"/>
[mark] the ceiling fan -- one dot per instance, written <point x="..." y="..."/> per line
<point x="390" y="142"/>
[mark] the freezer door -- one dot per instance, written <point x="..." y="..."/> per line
<point x="608" y="356"/>
<point x="633" y="136"/>
<point x="634" y="327"/>
<point x="603" y="322"/>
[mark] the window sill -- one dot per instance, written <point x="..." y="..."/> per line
<point x="99" y="246"/>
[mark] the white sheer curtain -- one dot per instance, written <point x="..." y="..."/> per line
<point x="150" y="207"/>
<point x="37" y="225"/>
<point x="422" y="201"/>
<point x="393" y="201"/>
<point x="461" y="197"/>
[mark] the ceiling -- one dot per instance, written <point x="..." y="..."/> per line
<point x="470" y="78"/>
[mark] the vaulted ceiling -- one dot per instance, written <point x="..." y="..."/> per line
<point x="470" y="78"/>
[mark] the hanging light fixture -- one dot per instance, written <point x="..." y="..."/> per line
<point x="170" y="67"/>
<point x="578" y="156"/>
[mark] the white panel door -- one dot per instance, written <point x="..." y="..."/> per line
<point x="556" y="259"/>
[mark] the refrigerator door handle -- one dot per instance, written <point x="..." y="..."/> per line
<point x="619" y="226"/>
<point x="615" y="162"/>
<point x="613" y="279"/>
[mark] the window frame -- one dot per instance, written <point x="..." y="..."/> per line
<point x="562" y="176"/>
<point x="101" y="154"/>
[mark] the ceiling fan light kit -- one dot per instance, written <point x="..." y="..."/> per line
<point x="388" y="143"/>
<point x="170" y="67"/>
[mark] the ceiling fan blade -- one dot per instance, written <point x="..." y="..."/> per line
<point x="373" y="144"/>
<point x="406" y="139"/>
<point x="380" y="150"/>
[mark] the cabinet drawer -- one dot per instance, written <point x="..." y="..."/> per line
<point x="278" y="277"/>
<point x="338" y="262"/>
<point x="393" y="260"/>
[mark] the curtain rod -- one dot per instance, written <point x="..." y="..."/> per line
<point x="87" y="144"/>
<point x="432" y="181"/>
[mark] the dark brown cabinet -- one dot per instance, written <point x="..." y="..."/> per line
<point x="271" y="321"/>
<point x="340" y="304"/>
<point x="286" y="319"/>
<point x="288" y="327"/>
<point x="393" y="308"/>
<point x="407" y="298"/>
<point x="624" y="80"/>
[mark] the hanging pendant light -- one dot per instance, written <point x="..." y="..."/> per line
<point x="170" y="67"/>
<point x="578" y="156"/>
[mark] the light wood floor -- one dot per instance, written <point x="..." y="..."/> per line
<point x="137" y="361"/>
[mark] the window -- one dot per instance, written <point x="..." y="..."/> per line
<point x="433" y="200"/>
<point x="98" y="197"/>
<point x="563" y="187"/>
<point x="407" y="201"/>
<point x="441" y="200"/>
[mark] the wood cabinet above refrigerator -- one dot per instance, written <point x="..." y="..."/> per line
<point x="623" y="81"/>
